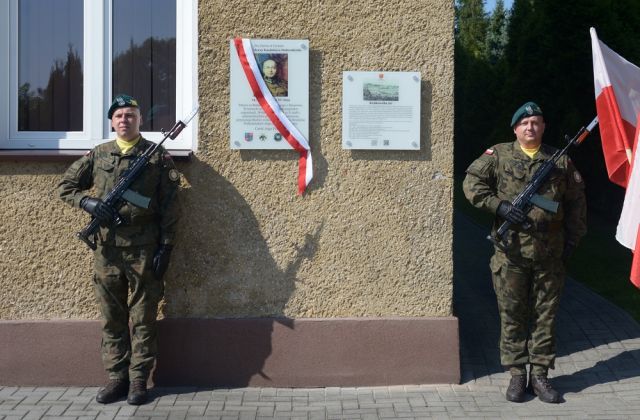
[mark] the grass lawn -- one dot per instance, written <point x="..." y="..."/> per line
<point x="600" y="262"/>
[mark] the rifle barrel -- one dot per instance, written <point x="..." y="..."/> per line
<point x="522" y="200"/>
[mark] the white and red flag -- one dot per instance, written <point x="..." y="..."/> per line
<point x="628" y="232"/>
<point x="617" y="89"/>
<point x="273" y="111"/>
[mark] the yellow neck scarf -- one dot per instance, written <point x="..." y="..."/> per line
<point x="530" y="152"/>
<point x="126" y="146"/>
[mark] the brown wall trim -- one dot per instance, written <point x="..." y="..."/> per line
<point x="273" y="352"/>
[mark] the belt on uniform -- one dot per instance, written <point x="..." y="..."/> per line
<point x="542" y="226"/>
<point x="139" y="220"/>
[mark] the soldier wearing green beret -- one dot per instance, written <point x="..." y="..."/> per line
<point x="130" y="259"/>
<point x="528" y="274"/>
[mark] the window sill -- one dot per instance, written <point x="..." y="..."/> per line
<point x="67" y="155"/>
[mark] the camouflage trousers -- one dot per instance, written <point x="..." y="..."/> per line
<point x="528" y="294"/>
<point x="127" y="289"/>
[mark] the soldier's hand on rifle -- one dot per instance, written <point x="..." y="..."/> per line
<point x="98" y="209"/>
<point x="161" y="260"/>
<point x="509" y="212"/>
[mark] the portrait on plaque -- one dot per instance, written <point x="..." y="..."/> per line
<point x="381" y="110"/>
<point x="274" y="69"/>
<point x="282" y="66"/>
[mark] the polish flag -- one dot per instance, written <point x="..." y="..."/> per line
<point x="628" y="232"/>
<point x="617" y="88"/>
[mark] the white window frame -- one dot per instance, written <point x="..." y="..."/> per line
<point x="97" y="93"/>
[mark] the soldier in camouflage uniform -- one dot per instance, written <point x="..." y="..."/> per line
<point x="131" y="258"/>
<point x="528" y="274"/>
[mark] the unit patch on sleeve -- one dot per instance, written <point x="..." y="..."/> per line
<point x="577" y="177"/>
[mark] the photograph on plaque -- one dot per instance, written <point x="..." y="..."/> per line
<point x="377" y="90"/>
<point x="381" y="110"/>
<point x="284" y="68"/>
<point x="275" y="72"/>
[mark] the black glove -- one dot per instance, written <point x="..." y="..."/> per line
<point x="98" y="209"/>
<point x="507" y="211"/>
<point x="569" y="247"/>
<point x="161" y="260"/>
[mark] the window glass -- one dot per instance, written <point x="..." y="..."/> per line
<point x="50" y="56"/>
<point x="144" y="58"/>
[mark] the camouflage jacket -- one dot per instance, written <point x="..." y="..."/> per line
<point x="102" y="167"/>
<point x="503" y="171"/>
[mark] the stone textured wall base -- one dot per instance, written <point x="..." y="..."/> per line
<point x="264" y="352"/>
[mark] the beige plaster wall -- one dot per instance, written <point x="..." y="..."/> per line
<point x="371" y="237"/>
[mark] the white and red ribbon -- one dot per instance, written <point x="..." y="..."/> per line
<point x="273" y="111"/>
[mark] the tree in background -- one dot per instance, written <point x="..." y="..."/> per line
<point x="471" y="25"/>
<point x="496" y="37"/>
<point x="479" y="47"/>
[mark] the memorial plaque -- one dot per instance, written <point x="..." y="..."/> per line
<point x="284" y="67"/>
<point x="381" y="110"/>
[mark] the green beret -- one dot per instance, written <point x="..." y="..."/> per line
<point x="527" y="110"/>
<point x="121" y="101"/>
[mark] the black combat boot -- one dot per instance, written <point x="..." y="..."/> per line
<point x="137" y="392"/>
<point x="542" y="388"/>
<point x="517" y="386"/>
<point x="113" y="391"/>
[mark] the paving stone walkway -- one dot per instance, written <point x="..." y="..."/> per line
<point x="597" y="370"/>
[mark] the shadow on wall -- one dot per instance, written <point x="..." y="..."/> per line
<point x="222" y="269"/>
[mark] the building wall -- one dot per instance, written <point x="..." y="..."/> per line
<point x="372" y="237"/>
<point x="350" y="284"/>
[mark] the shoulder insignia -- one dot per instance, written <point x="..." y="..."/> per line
<point x="173" y="175"/>
<point x="166" y="157"/>
<point x="577" y="177"/>
<point x="488" y="152"/>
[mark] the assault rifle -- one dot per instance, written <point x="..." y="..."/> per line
<point x="529" y="197"/>
<point x="121" y="192"/>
